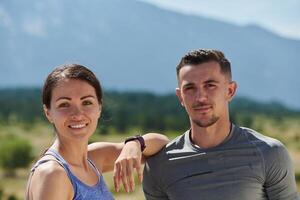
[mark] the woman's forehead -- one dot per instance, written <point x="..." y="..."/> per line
<point x="73" y="87"/>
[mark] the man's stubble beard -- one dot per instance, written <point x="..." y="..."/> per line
<point x="206" y="123"/>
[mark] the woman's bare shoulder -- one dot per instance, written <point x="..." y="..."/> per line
<point x="50" y="181"/>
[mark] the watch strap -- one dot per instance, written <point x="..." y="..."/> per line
<point x="139" y="138"/>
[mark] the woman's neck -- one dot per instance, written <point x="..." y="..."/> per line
<point x="75" y="153"/>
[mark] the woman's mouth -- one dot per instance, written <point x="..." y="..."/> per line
<point x="77" y="126"/>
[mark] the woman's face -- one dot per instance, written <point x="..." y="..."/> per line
<point x="74" y="109"/>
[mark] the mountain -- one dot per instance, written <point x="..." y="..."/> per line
<point x="132" y="45"/>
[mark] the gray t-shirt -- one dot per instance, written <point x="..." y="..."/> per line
<point x="247" y="166"/>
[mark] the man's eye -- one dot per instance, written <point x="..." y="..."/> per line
<point x="188" y="88"/>
<point x="87" y="103"/>
<point x="211" y="85"/>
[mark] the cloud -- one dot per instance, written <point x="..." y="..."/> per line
<point x="5" y="19"/>
<point x="35" y="26"/>
<point x="282" y="18"/>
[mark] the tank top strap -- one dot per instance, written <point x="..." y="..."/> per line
<point x="64" y="164"/>
<point x="95" y="168"/>
<point x="38" y="163"/>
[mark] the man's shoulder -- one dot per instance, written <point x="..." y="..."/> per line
<point x="267" y="145"/>
<point x="255" y="136"/>
<point x="177" y="144"/>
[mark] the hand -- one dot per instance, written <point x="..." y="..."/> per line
<point x="129" y="158"/>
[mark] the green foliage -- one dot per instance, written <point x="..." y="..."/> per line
<point x="12" y="197"/>
<point x="297" y="177"/>
<point x="123" y="111"/>
<point x="1" y="193"/>
<point x="144" y="110"/>
<point x="14" y="153"/>
<point x="21" y="104"/>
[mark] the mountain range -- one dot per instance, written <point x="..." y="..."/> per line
<point x="133" y="45"/>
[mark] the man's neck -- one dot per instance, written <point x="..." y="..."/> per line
<point x="211" y="136"/>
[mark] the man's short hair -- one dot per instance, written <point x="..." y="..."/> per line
<point x="200" y="56"/>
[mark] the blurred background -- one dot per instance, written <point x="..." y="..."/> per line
<point x="133" y="46"/>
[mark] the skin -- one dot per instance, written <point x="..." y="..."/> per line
<point x="74" y="111"/>
<point x="205" y="92"/>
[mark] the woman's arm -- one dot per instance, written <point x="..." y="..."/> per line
<point x="131" y="157"/>
<point x="154" y="143"/>
<point x="104" y="154"/>
<point x="123" y="158"/>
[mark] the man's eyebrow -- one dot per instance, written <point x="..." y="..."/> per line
<point x="61" y="98"/>
<point x="211" y="81"/>
<point x="188" y="84"/>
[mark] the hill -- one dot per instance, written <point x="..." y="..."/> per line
<point x="132" y="45"/>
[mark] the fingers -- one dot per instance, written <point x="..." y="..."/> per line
<point x="129" y="175"/>
<point x="139" y="170"/>
<point x="123" y="172"/>
<point x="124" y="175"/>
<point x="117" y="176"/>
<point x="128" y="160"/>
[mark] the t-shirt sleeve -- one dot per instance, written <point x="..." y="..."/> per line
<point x="151" y="183"/>
<point x="280" y="176"/>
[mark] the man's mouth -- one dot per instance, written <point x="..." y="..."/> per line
<point x="202" y="108"/>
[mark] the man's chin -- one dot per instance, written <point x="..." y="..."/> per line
<point x="206" y="123"/>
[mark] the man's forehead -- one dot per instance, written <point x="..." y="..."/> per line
<point x="201" y="72"/>
<point x="207" y="66"/>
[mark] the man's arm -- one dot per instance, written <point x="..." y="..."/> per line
<point x="280" y="175"/>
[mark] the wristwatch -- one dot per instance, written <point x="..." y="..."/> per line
<point x="139" y="138"/>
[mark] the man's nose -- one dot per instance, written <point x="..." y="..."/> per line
<point x="201" y="95"/>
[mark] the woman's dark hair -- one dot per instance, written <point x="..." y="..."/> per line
<point x="69" y="71"/>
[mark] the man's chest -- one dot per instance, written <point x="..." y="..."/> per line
<point x="215" y="175"/>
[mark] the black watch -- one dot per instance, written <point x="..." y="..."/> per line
<point x="139" y="138"/>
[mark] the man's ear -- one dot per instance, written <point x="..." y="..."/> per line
<point x="178" y="94"/>
<point x="47" y="113"/>
<point x="232" y="87"/>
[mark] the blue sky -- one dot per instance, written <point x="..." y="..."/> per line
<point x="281" y="17"/>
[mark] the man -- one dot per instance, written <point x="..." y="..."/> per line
<point x="216" y="159"/>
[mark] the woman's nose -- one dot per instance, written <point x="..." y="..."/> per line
<point x="76" y="113"/>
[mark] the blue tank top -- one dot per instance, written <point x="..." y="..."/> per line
<point x="82" y="191"/>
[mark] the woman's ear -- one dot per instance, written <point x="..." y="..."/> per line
<point x="47" y="113"/>
<point x="100" y="110"/>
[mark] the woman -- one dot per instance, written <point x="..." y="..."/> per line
<point x="72" y="169"/>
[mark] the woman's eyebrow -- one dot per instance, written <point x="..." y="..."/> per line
<point x="88" y="96"/>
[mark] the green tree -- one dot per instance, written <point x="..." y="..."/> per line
<point x="14" y="153"/>
<point x="12" y="197"/>
<point x="1" y="193"/>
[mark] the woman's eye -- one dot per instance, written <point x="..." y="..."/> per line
<point x="87" y="103"/>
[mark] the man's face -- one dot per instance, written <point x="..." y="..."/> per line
<point x="205" y="92"/>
